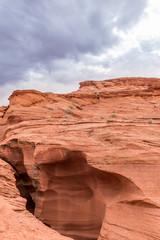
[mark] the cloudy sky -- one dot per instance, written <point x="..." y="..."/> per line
<point x="52" y="45"/>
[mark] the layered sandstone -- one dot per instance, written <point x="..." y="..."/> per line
<point x="16" y="223"/>
<point x="89" y="160"/>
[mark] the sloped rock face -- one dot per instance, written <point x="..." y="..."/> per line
<point x="89" y="160"/>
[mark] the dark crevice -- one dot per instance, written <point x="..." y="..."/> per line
<point x="47" y="225"/>
<point x="30" y="205"/>
<point x="23" y="183"/>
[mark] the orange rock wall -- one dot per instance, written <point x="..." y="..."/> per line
<point x="89" y="159"/>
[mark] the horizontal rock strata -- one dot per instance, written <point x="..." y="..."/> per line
<point x="88" y="162"/>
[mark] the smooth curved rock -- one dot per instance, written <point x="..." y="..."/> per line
<point x="89" y="159"/>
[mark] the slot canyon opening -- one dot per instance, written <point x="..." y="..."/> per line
<point x="26" y="190"/>
<point x="23" y="184"/>
<point x="69" y="195"/>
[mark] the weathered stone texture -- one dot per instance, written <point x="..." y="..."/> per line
<point x="89" y="159"/>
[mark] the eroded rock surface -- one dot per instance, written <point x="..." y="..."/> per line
<point x="89" y="160"/>
<point x="16" y="223"/>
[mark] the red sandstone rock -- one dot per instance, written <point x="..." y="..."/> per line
<point x="15" y="222"/>
<point x="89" y="159"/>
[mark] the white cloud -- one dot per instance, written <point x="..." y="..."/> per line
<point x="146" y="30"/>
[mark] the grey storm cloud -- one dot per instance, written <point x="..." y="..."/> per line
<point x="34" y="34"/>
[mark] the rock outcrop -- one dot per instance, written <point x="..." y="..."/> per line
<point x="88" y="162"/>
